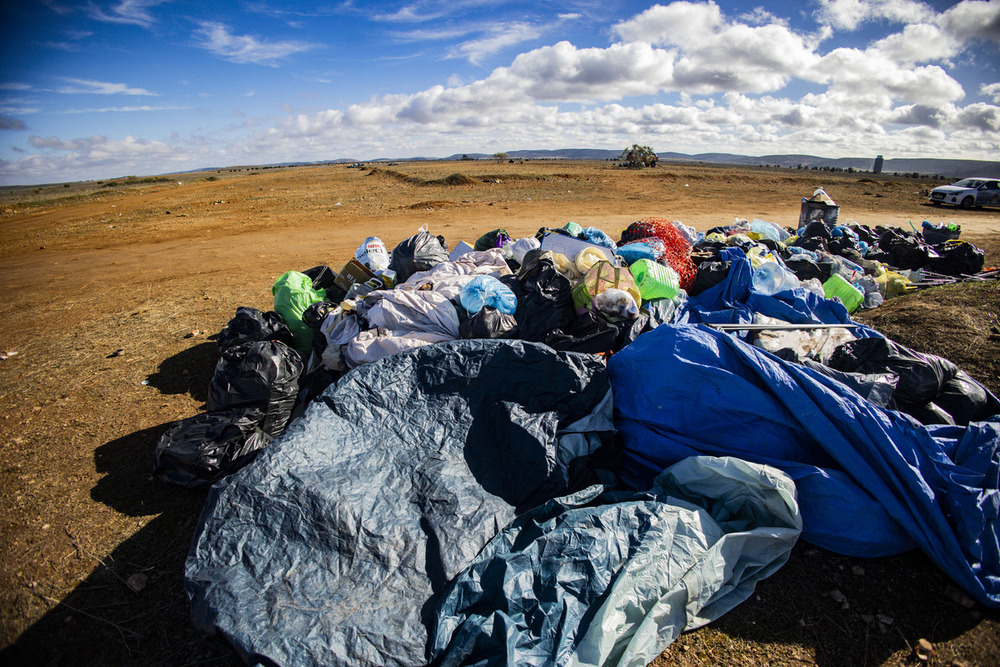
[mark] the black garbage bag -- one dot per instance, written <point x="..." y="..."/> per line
<point x="262" y="375"/>
<point x="816" y="229"/>
<point x="709" y="274"/>
<point x="909" y="252"/>
<point x="420" y="252"/>
<point x="967" y="400"/>
<point x="804" y="267"/>
<point x="544" y="300"/>
<point x="921" y="376"/>
<point x="928" y="413"/>
<point x="313" y="317"/>
<point x="200" y="450"/>
<point x="955" y="259"/>
<point x="250" y="325"/>
<point x="876" y="254"/>
<point x="590" y="332"/>
<point x="497" y="238"/>
<point x="322" y="276"/>
<point x="814" y="243"/>
<point x="487" y="323"/>
<point x="876" y="388"/>
<point x="865" y="234"/>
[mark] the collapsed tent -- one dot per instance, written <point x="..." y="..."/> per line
<point x="871" y="481"/>
<point x="337" y="545"/>
<point x="608" y="577"/>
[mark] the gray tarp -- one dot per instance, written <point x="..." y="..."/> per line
<point x="335" y="545"/>
<point x="611" y="578"/>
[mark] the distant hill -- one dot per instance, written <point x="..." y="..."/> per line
<point x="930" y="166"/>
<point x="950" y="169"/>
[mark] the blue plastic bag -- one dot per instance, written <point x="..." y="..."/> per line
<point x="487" y="291"/>
<point x="595" y="235"/>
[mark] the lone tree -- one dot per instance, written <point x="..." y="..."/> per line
<point x="500" y="157"/>
<point x="638" y="157"/>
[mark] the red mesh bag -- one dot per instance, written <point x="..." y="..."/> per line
<point x="677" y="250"/>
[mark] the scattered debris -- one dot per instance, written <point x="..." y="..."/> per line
<point x="924" y="650"/>
<point x="137" y="581"/>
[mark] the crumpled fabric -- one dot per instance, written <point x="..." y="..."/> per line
<point x="871" y="481"/>
<point x="334" y="546"/>
<point x="606" y="577"/>
<point x="410" y="311"/>
<point x="448" y="278"/>
<point x="374" y="344"/>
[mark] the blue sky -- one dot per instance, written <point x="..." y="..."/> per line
<point x="96" y="89"/>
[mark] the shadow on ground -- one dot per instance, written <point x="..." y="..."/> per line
<point x="132" y="608"/>
<point x="187" y="372"/>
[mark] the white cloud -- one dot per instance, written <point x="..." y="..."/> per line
<point x="979" y="116"/>
<point x="407" y="14"/>
<point x="860" y="73"/>
<point x="973" y="19"/>
<point x="717" y="55"/>
<point x="13" y="85"/>
<point x="216" y="38"/>
<point x="565" y="73"/>
<point x="760" y="16"/>
<point x="921" y="42"/>
<point x="128" y="12"/>
<point x="991" y="90"/>
<point x="849" y="14"/>
<point x="87" y="86"/>
<point x="121" y="109"/>
<point x="497" y="38"/>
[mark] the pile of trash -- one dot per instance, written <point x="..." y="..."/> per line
<point x="567" y="448"/>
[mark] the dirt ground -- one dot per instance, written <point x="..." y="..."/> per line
<point x="114" y="290"/>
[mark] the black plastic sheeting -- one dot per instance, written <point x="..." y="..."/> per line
<point x="336" y="544"/>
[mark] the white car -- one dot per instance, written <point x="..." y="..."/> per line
<point x="968" y="192"/>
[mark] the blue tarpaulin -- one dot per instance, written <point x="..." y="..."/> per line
<point x="733" y="301"/>
<point x="871" y="481"/>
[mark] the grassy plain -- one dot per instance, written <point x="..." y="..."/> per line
<point x="110" y="295"/>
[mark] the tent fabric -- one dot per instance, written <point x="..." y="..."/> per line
<point x="870" y="480"/>
<point x="607" y="577"/>
<point x="335" y="545"/>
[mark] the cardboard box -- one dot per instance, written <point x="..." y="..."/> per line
<point x="353" y="272"/>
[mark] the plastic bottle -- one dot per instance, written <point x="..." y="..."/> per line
<point x="655" y="281"/>
<point x="770" y="278"/>
<point x="848" y="269"/>
<point x="849" y="295"/>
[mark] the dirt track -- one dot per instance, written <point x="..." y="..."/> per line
<point x="154" y="269"/>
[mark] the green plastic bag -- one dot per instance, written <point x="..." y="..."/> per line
<point x="293" y="293"/>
